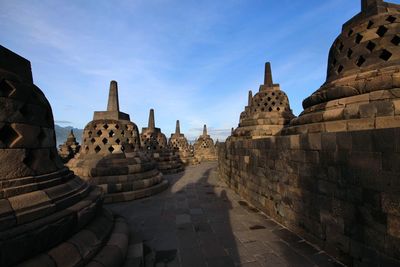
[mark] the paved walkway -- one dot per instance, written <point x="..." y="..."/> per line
<point x="198" y="221"/>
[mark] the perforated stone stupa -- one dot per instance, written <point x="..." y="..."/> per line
<point x="363" y="77"/>
<point x="155" y="143"/>
<point x="267" y="113"/>
<point x="204" y="148"/>
<point x="48" y="216"/>
<point x="179" y="143"/>
<point x="111" y="156"/>
<point x="70" y="148"/>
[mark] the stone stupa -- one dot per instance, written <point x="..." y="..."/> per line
<point x="70" y="148"/>
<point x="179" y="143"/>
<point x="204" y="148"/>
<point x="155" y="143"/>
<point x="48" y="216"/>
<point x="267" y="113"/>
<point x="363" y="76"/>
<point x="111" y="156"/>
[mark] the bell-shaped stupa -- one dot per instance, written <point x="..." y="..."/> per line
<point x="267" y="112"/>
<point x="48" y="216"/>
<point x="363" y="77"/>
<point x="111" y="156"/>
<point x="70" y="147"/>
<point x="155" y="143"/>
<point x="204" y="148"/>
<point x="179" y="143"/>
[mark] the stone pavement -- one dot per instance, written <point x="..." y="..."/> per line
<point x="198" y="221"/>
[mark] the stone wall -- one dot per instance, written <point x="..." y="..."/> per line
<point x="339" y="190"/>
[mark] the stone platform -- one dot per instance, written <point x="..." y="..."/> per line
<point x="199" y="221"/>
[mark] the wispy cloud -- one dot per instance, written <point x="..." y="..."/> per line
<point x="190" y="60"/>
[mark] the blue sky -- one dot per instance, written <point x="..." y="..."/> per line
<point x="189" y="60"/>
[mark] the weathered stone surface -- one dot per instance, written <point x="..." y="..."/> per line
<point x="42" y="203"/>
<point x="266" y="113"/>
<point x="155" y="143"/>
<point x="204" y="148"/>
<point x="180" y="144"/>
<point x="111" y="156"/>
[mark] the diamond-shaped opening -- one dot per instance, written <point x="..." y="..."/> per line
<point x="6" y="89"/>
<point x="92" y="140"/>
<point x="105" y="141"/>
<point x="370" y="24"/>
<point x="381" y="31"/>
<point x="86" y="148"/>
<point x="24" y="110"/>
<point x="105" y="126"/>
<point x="111" y="149"/>
<point x="270" y="109"/>
<point x="341" y="46"/>
<point x="350" y="32"/>
<point x="8" y="135"/>
<point x="349" y="53"/>
<point x="122" y="133"/>
<point x="340" y="69"/>
<point x="273" y="103"/>
<point x="396" y="40"/>
<point x="385" y="55"/>
<point x="273" y="93"/>
<point x="99" y="132"/>
<point x="90" y="133"/>
<point x="334" y="61"/>
<point x="97" y="149"/>
<point x="42" y="136"/>
<point x="269" y="99"/>
<point x="29" y="159"/>
<point x="111" y="133"/>
<point x="359" y="37"/>
<point x="371" y="46"/>
<point x="360" y="61"/>
<point x="117" y="141"/>
<point x="391" y="19"/>
<point x="278" y="108"/>
<point x="117" y="126"/>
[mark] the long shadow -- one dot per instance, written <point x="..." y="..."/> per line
<point x="189" y="224"/>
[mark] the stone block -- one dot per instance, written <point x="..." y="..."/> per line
<point x="328" y="141"/>
<point x="393" y="225"/>
<point x="65" y="255"/>
<point x="365" y="160"/>
<point x="360" y="124"/>
<point x="336" y="126"/>
<point x="391" y="203"/>
<point x="333" y="114"/>
<point x="368" y="110"/>
<point x="387" y="122"/>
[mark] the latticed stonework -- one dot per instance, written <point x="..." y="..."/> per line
<point x="363" y="76"/>
<point x="266" y="113"/>
<point x="155" y="143"/>
<point x="70" y="148"/>
<point x="46" y="212"/>
<point x="111" y="156"/>
<point x="180" y="144"/>
<point x="332" y="174"/>
<point x="105" y="137"/>
<point x="204" y="148"/>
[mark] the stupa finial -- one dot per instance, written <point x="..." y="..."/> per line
<point x="177" y="128"/>
<point x="367" y="4"/>
<point x="250" y="98"/>
<point x="205" y="130"/>
<point x="268" y="75"/>
<point x="152" y="124"/>
<point x="113" y="103"/>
